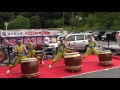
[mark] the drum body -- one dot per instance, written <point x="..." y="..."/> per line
<point x="3" y="55"/>
<point x="29" y="68"/>
<point x="39" y="47"/>
<point x="73" y="61"/>
<point x="39" y="55"/>
<point x="105" y="58"/>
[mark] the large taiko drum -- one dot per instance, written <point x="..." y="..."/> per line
<point x="105" y="58"/>
<point x="3" y="56"/>
<point x="73" y="61"/>
<point x="39" y="54"/>
<point x="29" y="68"/>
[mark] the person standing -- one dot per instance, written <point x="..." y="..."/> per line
<point x="61" y="51"/>
<point x="31" y="50"/>
<point x="118" y="41"/>
<point x="20" y="51"/>
<point x="4" y="46"/>
<point x="91" y="47"/>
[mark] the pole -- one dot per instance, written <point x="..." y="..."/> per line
<point x="8" y="53"/>
<point x="73" y="22"/>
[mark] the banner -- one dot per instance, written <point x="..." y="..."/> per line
<point x="22" y="33"/>
<point x="37" y="39"/>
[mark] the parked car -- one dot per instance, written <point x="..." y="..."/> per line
<point x="98" y="34"/>
<point x="78" y="41"/>
<point x="113" y="35"/>
<point x="104" y="36"/>
<point x="89" y="31"/>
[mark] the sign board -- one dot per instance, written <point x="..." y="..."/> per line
<point x="22" y="33"/>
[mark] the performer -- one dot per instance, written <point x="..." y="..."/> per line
<point x="4" y="46"/>
<point x="20" y="51"/>
<point x="118" y="41"/>
<point x="31" y="50"/>
<point x="91" y="47"/>
<point x="61" y="50"/>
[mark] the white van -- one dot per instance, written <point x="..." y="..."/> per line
<point x="79" y="40"/>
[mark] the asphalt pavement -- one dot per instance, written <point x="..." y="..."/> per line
<point x="106" y="73"/>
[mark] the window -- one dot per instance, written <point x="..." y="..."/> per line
<point x="87" y="36"/>
<point x="71" y="38"/>
<point x="80" y="37"/>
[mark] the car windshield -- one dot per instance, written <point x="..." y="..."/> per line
<point x="108" y="32"/>
<point x="97" y="32"/>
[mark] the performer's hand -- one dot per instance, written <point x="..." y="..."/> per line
<point x="26" y="52"/>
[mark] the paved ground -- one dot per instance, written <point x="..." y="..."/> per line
<point x="104" y="43"/>
<point x="107" y="73"/>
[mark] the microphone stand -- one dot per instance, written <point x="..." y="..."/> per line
<point x="8" y="56"/>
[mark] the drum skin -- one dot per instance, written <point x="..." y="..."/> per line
<point x="29" y="69"/>
<point x="73" y="62"/>
<point x="3" y="56"/>
<point x="105" y="58"/>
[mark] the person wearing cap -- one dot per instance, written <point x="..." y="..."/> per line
<point x="4" y="47"/>
<point x="20" y="51"/>
<point x="31" y="50"/>
<point x="61" y="51"/>
<point x="91" y="47"/>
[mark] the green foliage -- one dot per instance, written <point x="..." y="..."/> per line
<point x="53" y="23"/>
<point x="35" y="22"/>
<point x="90" y="20"/>
<point x="20" y="22"/>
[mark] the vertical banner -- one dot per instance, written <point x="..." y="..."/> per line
<point x="34" y="40"/>
<point x="39" y="40"/>
<point x="12" y="41"/>
<point x="53" y="40"/>
<point x="46" y="40"/>
<point x="26" y="40"/>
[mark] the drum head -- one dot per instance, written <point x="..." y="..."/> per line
<point x="28" y="59"/>
<point x="72" y="53"/>
<point x="3" y="56"/>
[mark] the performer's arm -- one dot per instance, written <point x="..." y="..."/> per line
<point x="26" y="51"/>
<point x="15" y="49"/>
<point x="97" y="43"/>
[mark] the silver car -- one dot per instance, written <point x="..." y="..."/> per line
<point x="79" y="40"/>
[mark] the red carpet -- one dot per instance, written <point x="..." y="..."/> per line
<point x="116" y="57"/>
<point x="57" y="71"/>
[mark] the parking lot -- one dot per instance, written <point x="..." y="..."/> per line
<point x="104" y="43"/>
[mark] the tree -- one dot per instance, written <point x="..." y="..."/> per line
<point x="20" y="22"/>
<point x="35" y="22"/>
<point x="5" y="17"/>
